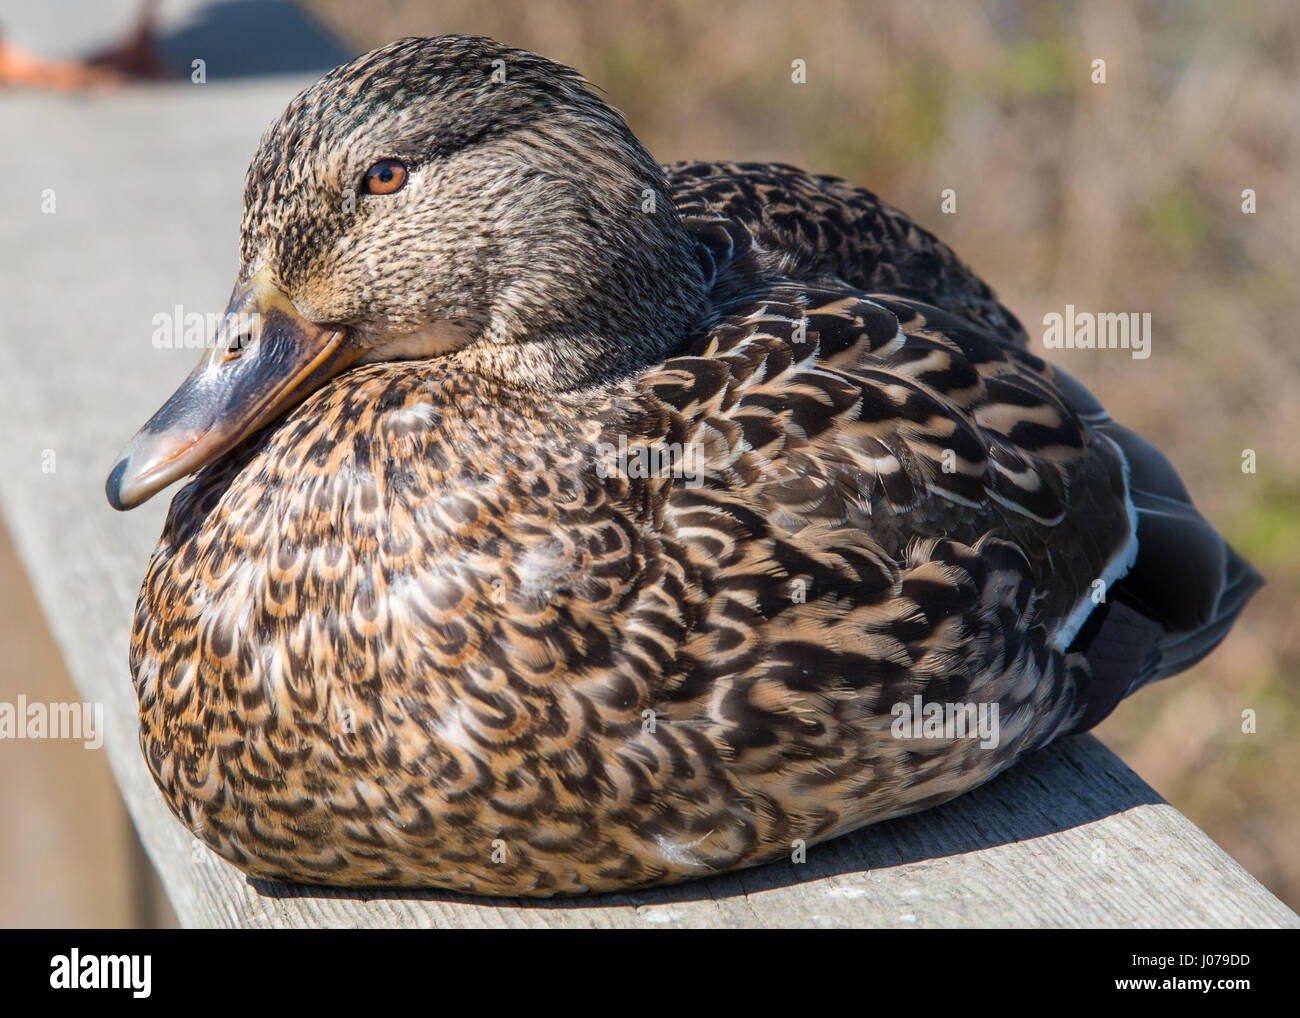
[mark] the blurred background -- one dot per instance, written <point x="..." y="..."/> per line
<point x="1125" y="195"/>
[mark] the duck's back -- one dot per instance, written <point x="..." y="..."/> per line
<point x="1084" y="494"/>
<point x="766" y="219"/>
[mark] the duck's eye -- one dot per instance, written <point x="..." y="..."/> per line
<point x="386" y="177"/>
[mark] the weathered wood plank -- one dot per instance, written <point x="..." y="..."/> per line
<point x="147" y="186"/>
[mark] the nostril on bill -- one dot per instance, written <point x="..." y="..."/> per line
<point x="238" y="344"/>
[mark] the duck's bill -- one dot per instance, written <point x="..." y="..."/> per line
<point x="266" y="359"/>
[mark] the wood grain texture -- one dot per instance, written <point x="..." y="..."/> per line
<point x="147" y="184"/>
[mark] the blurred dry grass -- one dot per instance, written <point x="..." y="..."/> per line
<point x="1117" y="197"/>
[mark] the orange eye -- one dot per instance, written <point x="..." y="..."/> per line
<point x="386" y="177"/>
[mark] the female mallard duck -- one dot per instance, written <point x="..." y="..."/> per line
<point x="566" y="523"/>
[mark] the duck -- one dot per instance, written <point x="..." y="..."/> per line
<point x="559" y="522"/>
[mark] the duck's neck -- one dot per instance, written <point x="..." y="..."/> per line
<point x="637" y="304"/>
<point x="602" y="281"/>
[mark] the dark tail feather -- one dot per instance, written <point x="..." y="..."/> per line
<point x="1179" y="600"/>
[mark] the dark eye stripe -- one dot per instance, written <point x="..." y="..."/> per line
<point x="387" y="176"/>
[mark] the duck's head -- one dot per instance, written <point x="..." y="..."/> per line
<point x="435" y="197"/>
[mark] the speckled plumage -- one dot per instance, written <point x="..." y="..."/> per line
<point x="425" y="630"/>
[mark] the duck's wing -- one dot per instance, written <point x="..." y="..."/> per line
<point x="954" y="507"/>
<point x="757" y="221"/>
